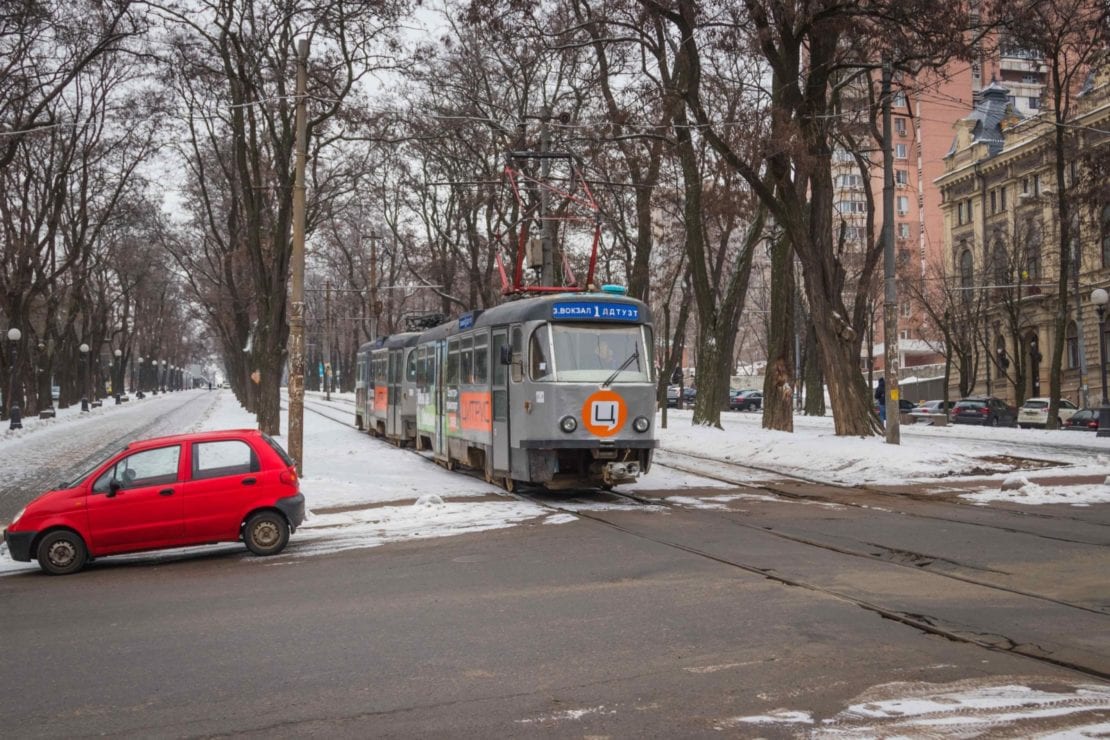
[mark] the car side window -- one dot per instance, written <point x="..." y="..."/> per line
<point x="145" y="468"/>
<point x="223" y="458"/>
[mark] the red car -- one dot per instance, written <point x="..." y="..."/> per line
<point x="189" y="489"/>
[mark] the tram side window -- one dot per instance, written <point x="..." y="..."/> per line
<point x="517" y="344"/>
<point x="410" y="367"/>
<point x="481" y="360"/>
<point x="453" y="362"/>
<point x="499" y="340"/>
<point x="649" y="342"/>
<point x="539" y="363"/>
<point x="466" y="364"/>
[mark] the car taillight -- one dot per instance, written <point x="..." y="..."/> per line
<point x="1092" y="424"/>
<point x="984" y="411"/>
<point x="289" y="477"/>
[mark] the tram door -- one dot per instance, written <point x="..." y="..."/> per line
<point x="440" y="442"/>
<point x="393" y="407"/>
<point x="500" y="392"/>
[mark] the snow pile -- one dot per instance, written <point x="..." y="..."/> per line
<point x="1021" y="490"/>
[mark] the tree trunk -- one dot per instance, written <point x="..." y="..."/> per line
<point x="778" y="378"/>
<point x="815" y="383"/>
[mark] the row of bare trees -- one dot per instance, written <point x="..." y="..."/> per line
<point x="706" y="132"/>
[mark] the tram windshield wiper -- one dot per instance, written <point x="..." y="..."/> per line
<point x="634" y="356"/>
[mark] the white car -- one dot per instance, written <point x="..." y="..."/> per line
<point x="1034" y="412"/>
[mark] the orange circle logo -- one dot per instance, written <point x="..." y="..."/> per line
<point x="604" y="413"/>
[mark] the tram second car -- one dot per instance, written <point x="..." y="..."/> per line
<point x="555" y="390"/>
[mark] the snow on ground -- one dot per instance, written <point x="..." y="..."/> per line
<point x="968" y="708"/>
<point x="926" y="454"/>
<point x="363" y="492"/>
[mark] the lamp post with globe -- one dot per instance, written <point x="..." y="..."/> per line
<point x="163" y="376"/>
<point x="86" y="363"/>
<point x="1100" y="297"/>
<point x="117" y="381"/>
<point x="15" y="414"/>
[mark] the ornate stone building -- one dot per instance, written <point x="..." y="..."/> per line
<point x="1001" y="253"/>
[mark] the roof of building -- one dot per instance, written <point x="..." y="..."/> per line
<point x="993" y="108"/>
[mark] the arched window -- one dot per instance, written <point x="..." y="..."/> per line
<point x="1071" y="338"/>
<point x="1106" y="235"/>
<point x="967" y="274"/>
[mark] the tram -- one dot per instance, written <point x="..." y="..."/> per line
<point x="554" y="390"/>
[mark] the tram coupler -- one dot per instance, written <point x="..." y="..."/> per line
<point x="614" y="473"/>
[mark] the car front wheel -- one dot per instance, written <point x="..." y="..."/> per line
<point x="266" y="533"/>
<point x="61" y="553"/>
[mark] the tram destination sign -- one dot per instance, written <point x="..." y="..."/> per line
<point x="595" y="311"/>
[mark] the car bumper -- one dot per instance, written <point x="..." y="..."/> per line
<point x="19" y="545"/>
<point x="293" y="508"/>
<point x="980" y="421"/>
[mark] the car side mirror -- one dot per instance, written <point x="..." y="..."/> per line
<point x="114" y="487"/>
<point x="506" y="355"/>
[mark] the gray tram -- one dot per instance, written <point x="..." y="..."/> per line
<point x="385" y="404"/>
<point x="554" y="390"/>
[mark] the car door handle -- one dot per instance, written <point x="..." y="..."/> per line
<point x="166" y="492"/>
<point x="249" y="481"/>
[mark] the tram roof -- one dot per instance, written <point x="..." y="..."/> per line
<point x="391" y="341"/>
<point x="589" y="307"/>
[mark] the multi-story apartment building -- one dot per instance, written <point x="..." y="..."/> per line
<point x="1001" y="240"/>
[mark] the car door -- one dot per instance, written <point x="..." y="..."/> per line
<point x="225" y="476"/>
<point x="144" y="510"/>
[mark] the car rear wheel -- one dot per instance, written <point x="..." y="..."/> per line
<point x="266" y="533"/>
<point x="61" y="553"/>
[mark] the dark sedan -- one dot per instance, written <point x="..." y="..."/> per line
<point x="747" y="400"/>
<point x="1084" y="420"/>
<point x="984" y="411"/>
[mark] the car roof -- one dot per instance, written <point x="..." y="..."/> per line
<point x="219" y="434"/>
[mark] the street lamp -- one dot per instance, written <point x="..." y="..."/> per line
<point x="14" y="412"/>
<point x="87" y="363"/>
<point x="1099" y="297"/>
<point x="139" y="394"/>
<point x="163" y="376"/>
<point x="117" y="382"/>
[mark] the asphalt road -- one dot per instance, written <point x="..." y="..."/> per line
<point x="641" y="625"/>
<point x="651" y="622"/>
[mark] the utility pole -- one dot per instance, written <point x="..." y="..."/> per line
<point x="327" y="340"/>
<point x="296" y="306"/>
<point x="890" y="297"/>
<point x="374" y="284"/>
<point x="547" y="223"/>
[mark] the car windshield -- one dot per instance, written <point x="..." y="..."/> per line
<point x="88" y="471"/>
<point x="971" y="404"/>
<point x="1035" y="405"/>
<point x="593" y="353"/>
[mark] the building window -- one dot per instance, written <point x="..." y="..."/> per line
<point x="966" y="269"/>
<point x="904" y="230"/>
<point x="960" y="212"/>
<point x="1025" y="185"/>
<point x="1032" y="253"/>
<point x="901" y="151"/>
<point x="1036" y="184"/>
<point x="899" y="100"/>
<point x="1106" y="238"/>
<point x="901" y="177"/>
<point x="1072" y="341"/>
<point x="994" y="201"/>
<point x="900" y="126"/>
<point x="1034" y="103"/>
<point x="907" y="310"/>
<point x="903" y="205"/>
<point x="999" y="263"/>
<point x="1002" y="197"/>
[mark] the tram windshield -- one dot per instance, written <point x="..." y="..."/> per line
<point x="590" y="354"/>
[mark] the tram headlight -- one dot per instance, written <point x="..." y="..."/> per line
<point x="641" y="424"/>
<point x="568" y="424"/>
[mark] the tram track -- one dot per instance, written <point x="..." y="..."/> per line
<point x="894" y="501"/>
<point x="910" y="561"/>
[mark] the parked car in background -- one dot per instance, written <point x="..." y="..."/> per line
<point x="689" y="395"/>
<point x="189" y="489"/>
<point x="673" y="393"/>
<point x="984" y="411"/>
<point x="1083" y="420"/>
<point x="745" y="400"/>
<point x="922" y="411"/>
<point x="1034" y="412"/>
